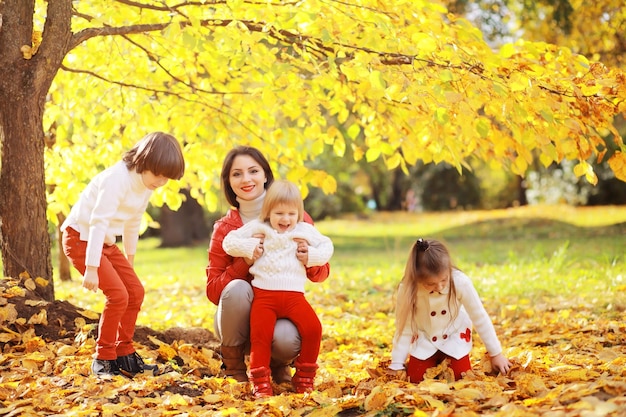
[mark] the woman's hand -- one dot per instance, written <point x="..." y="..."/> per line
<point x="302" y="251"/>
<point x="501" y="363"/>
<point x="91" y="280"/>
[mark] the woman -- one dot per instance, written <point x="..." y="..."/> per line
<point x="245" y="176"/>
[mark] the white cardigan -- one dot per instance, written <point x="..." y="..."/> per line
<point x="278" y="268"/>
<point x="111" y="205"/>
<point x="436" y="331"/>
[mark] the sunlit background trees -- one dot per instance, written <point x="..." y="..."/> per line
<point x="368" y="106"/>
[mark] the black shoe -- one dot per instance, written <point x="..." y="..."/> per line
<point x="104" y="367"/>
<point x="131" y="365"/>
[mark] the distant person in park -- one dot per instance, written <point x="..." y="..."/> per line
<point x="245" y="176"/>
<point x="272" y="242"/>
<point x="437" y="307"/>
<point x="112" y="205"/>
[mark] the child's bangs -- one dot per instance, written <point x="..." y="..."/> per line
<point x="168" y="163"/>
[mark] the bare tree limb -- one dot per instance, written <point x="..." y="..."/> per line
<point x="86" y="34"/>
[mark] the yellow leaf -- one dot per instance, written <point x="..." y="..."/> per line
<point x="424" y="42"/>
<point x="372" y="154"/>
<point x="8" y="313"/>
<point x="166" y="352"/>
<point x="39" y="318"/>
<point x="212" y="398"/>
<point x="507" y="50"/>
<point x="470" y="394"/>
<point x="441" y="115"/>
<point x="66" y="350"/>
<point x="393" y="161"/>
<point x="437" y="388"/>
<point x="30" y="364"/>
<point x="618" y="164"/>
<point x="446" y="76"/>
<point x="15" y="292"/>
<point x="519" y="82"/>
<point x="30" y="284"/>
<point x="377" y="81"/>
<point x="377" y="399"/>
<point x="329" y="185"/>
<point x="483" y="127"/>
<point x="175" y="400"/>
<point x="89" y="314"/>
<point x="353" y="131"/>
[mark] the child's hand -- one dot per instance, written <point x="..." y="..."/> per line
<point x="302" y="251"/>
<point x="501" y="363"/>
<point x="396" y="374"/>
<point x="91" y="280"/>
<point x="258" y="250"/>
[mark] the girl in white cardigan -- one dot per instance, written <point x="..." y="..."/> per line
<point x="436" y="309"/>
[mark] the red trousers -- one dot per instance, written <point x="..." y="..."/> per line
<point x="417" y="367"/>
<point x="267" y="307"/>
<point x="123" y="291"/>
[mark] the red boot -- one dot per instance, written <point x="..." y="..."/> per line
<point x="305" y="376"/>
<point x="261" y="385"/>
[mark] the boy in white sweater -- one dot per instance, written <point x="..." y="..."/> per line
<point x="279" y="245"/>
<point x="112" y="205"/>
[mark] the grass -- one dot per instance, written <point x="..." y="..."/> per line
<point x="516" y="258"/>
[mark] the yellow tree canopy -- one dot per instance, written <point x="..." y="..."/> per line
<point x="402" y="80"/>
<point x="595" y="29"/>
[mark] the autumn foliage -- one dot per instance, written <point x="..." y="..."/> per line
<point x="568" y="361"/>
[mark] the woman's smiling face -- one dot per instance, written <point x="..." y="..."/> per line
<point x="247" y="178"/>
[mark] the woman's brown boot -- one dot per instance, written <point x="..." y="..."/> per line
<point x="261" y="384"/>
<point x="233" y="362"/>
<point x="305" y="376"/>
<point x="281" y="373"/>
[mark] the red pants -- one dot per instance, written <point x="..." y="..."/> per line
<point x="267" y="307"/>
<point x="123" y="291"/>
<point x="417" y="367"/>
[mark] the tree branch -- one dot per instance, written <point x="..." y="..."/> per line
<point x="218" y="110"/>
<point x="86" y="34"/>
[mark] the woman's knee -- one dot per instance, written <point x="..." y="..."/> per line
<point x="237" y="292"/>
<point x="232" y="317"/>
<point x="286" y="341"/>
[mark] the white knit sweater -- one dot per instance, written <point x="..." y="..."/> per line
<point x="111" y="205"/>
<point x="278" y="268"/>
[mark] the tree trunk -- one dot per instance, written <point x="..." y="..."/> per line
<point x="184" y="226"/>
<point x="397" y="190"/>
<point x="26" y="73"/>
<point x="24" y="238"/>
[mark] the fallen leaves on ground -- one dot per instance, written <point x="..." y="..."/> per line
<point x="568" y="361"/>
